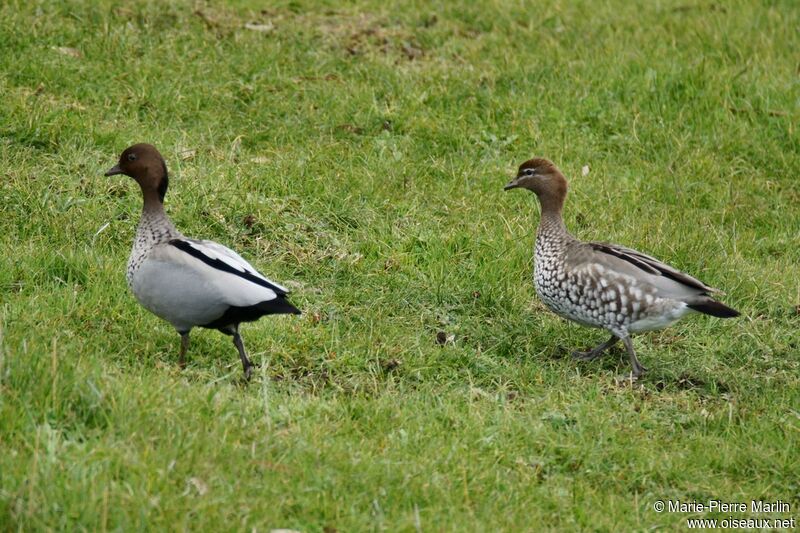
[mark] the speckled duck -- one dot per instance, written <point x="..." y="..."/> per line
<point x="605" y="285"/>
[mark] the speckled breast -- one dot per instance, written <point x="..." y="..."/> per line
<point x="556" y="291"/>
<point x="576" y="296"/>
<point x="135" y="260"/>
<point x="152" y="230"/>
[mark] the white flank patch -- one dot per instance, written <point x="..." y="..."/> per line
<point x="661" y="321"/>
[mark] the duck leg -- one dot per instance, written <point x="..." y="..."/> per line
<point x="597" y="351"/>
<point x="247" y="365"/>
<point x="184" y="347"/>
<point x="638" y="369"/>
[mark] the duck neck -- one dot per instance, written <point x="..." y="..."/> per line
<point x="152" y="202"/>
<point x="155" y="225"/>
<point x="552" y="222"/>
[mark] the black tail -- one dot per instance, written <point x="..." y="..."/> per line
<point x="714" y="308"/>
<point x="236" y="315"/>
<point x="278" y="306"/>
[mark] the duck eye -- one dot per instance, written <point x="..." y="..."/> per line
<point x="131" y="157"/>
<point x="529" y="172"/>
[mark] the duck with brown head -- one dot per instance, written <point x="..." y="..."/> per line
<point x="604" y="285"/>
<point x="187" y="282"/>
<point x="144" y="163"/>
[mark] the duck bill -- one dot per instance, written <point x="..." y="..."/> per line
<point x="511" y="185"/>
<point x="113" y="171"/>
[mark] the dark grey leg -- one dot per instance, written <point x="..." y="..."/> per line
<point x="597" y="351"/>
<point x="638" y="369"/>
<point x="184" y="347"/>
<point x="247" y="365"/>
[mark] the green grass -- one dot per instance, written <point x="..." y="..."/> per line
<point x="368" y="144"/>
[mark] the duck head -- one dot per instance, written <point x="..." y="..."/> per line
<point x="543" y="178"/>
<point x="144" y="163"/>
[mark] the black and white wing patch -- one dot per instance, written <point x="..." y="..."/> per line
<point x="226" y="260"/>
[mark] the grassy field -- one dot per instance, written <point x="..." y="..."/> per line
<point x="357" y="153"/>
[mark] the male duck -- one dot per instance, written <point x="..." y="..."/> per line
<point x="187" y="282"/>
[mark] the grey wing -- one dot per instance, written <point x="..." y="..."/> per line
<point x="651" y="264"/>
<point x="668" y="281"/>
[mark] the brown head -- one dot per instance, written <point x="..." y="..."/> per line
<point x="144" y="163"/>
<point x="543" y="178"/>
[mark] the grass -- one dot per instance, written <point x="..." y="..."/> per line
<point x="357" y="152"/>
